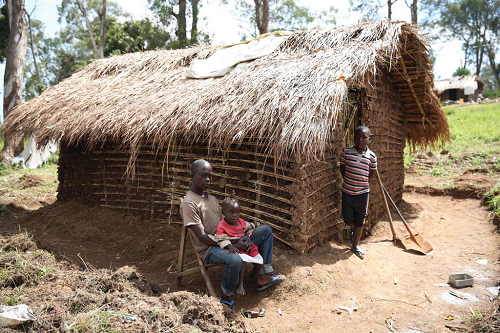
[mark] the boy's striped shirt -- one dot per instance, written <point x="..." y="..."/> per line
<point x="357" y="170"/>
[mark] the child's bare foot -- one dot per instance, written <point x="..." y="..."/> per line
<point x="240" y="290"/>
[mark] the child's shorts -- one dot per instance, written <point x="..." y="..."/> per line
<point x="355" y="208"/>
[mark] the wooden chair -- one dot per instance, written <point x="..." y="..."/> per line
<point x="202" y="267"/>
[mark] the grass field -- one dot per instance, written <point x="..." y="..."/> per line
<point x="474" y="145"/>
<point x="473" y="126"/>
<point x="27" y="188"/>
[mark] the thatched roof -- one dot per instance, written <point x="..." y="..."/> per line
<point x="291" y="97"/>
<point x="459" y="82"/>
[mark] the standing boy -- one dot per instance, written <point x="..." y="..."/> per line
<point x="357" y="165"/>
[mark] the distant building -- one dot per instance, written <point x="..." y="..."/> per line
<point x="467" y="87"/>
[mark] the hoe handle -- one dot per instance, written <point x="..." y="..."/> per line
<point x="382" y="188"/>
<point x="397" y="210"/>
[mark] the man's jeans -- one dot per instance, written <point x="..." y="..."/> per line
<point x="262" y="237"/>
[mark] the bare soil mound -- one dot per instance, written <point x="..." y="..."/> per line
<point x="66" y="298"/>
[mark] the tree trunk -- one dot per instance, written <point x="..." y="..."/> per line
<point x="389" y="9"/>
<point x="262" y="18"/>
<point x="181" y="24"/>
<point x="491" y="57"/>
<point x="194" y="25"/>
<point x="14" y="71"/>
<point x="479" y="59"/>
<point x="89" y="28"/>
<point x="466" y="55"/>
<point x="32" y="46"/>
<point x="102" y="17"/>
<point x="414" y="11"/>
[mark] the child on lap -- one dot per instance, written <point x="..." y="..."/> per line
<point x="232" y="228"/>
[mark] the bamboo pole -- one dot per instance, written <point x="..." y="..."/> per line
<point x="408" y="80"/>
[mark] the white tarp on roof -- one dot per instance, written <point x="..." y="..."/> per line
<point x="468" y="83"/>
<point x="224" y="60"/>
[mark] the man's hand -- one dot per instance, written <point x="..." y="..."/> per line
<point x="201" y="235"/>
<point x="232" y="249"/>
<point x="243" y="244"/>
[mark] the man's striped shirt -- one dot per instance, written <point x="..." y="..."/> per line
<point x="357" y="170"/>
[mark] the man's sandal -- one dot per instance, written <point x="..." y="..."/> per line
<point x="230" y="305"/>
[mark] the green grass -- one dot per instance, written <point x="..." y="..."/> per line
<point x="493" y="198"/>
<point x="474" y="144"/>
<point x="474" y="129"/>
<point x="17" y="186"/>
<point x="472" y="126"/>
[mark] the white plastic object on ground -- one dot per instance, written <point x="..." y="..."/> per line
<point x="15" y="315"/>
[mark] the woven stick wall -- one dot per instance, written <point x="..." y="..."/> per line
<point x="265" y="190"/>
<point x="300" y="201"/>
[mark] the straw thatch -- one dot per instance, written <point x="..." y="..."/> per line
<point x="291" y="98"/>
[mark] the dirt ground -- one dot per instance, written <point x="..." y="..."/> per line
<point x="393" y="289"/>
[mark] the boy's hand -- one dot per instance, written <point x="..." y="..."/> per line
<point x="248" y="242"/>
<point x="232" y="249"/>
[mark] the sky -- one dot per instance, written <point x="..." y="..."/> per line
<point x="224" y="27"/>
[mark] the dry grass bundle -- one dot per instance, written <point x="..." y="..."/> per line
<point x="291" y="98"/>
<point x="68" y="299"/>
<point x="487" y="323"/>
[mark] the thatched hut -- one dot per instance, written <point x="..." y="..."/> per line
<point x="129" y="126"/>
<point x="467" y="88"/>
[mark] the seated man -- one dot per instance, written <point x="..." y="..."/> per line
<point x="202" y="213"/>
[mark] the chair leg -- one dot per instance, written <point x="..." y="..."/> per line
<point x="204" y="272"/>
<point x="180" y="266"/>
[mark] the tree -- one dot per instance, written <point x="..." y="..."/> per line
<point x="370" y="8"/>
<point x="170" y="19"/>
<point x="475" y="22"/>
<point x="133" y="36"/>
<point x="413" y="9"/>
<point x="101" y="14"/>
<point x="88" y="39"/>
<point x="262" y="15"/>
<point x="32" y="47"/>
<point x="272" y="15"/>
<point x="461" y="71"/>
<point x="4" y="33"/>
<point x="13" y="79"/>
<point x="489" y="78"/>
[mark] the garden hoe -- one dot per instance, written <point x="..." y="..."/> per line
<point x="411" y="242"/>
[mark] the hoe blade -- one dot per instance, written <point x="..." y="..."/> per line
<point x="417" y="243"/>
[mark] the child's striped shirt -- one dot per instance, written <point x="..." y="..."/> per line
<point x="357" y="170"/>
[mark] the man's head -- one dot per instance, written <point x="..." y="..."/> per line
<point x="362" y="136"/>
<point x="201" y="173"/>
<point x="231" y="210"/>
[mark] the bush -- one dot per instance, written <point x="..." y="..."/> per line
<point x="491" y="94"/>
